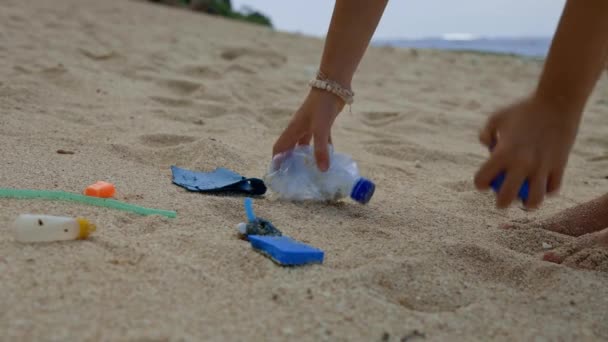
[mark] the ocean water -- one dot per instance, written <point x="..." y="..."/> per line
<point x="529" y="47"/>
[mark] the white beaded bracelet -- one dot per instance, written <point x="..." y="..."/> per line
<point x="323" y="83"/>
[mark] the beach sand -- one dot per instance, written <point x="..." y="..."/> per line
<point x="133" y="88"/>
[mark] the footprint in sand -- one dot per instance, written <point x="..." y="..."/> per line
<point x="180" y="87"/>
<point x="401" y="150"/>
<point x="197" y="116"/>
<point x="381" y="119"/>
<point x="179" y="116"/>
<point x="257" y="57"/>
<point x="200" y="152"/>
<point x="601" y="141"/>
<point x="598" y="158"/>
<point x="121" y="255"/>
<point x="212" y="110"/>
<point x="449" y="103"/>
<point x="240" y="69"/>
<point x="187" y="93"/>
<point x="488" y="264"/>
<point x="172" y="102"/>
<point x="436" y="121"/>
<point x="22" y="70"/>
<point x="460" y="186"/>
<point x="392" y="170"/>
<point x="60" y="76"/>
<point x="98" y="54"/>
<point x="485" y="263"/>
<point x="200" y="71"/>
<point x="165" y="140"/>
<point x="274" y="117"/>
<point x="72" y="117"/>
<point x="416" y="286"/>
<point x="406" y="122"/>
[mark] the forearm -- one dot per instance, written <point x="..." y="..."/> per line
<point x="578" y="55"/>
<point x="352" y="26"/>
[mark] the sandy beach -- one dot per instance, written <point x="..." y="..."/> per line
<point x="132" y="88"/>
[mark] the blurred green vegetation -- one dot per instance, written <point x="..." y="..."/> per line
<point x="221" y="8"/>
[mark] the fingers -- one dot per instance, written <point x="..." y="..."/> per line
<point x="305" y="140"/>
<point x="289" y="137"/>
<point x="321" y="139"/>
<point x="555" y="181"/>
<point x="488" y="171"/>
<point x="510" y="188"/>
<point x="487" y="136"/>
<point x="507" y="172"/>
<point x="538" y="187"/>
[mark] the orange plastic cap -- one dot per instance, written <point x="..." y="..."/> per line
<point x="100" y="189"/>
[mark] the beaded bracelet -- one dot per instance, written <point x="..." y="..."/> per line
<point x="323" y="83"/>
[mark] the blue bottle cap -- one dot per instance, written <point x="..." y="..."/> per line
<point x="523" y="191"/>
<point x="363" y="190"/>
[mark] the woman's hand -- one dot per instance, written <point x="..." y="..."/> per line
<point x="533" y="140"/>
<point x="313" y="120"/>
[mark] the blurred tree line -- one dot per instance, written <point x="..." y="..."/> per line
<point x="222" y="8"/>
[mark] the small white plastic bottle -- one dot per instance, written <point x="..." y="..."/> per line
<point x="46" y="228"/>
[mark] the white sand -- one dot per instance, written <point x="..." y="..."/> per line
<point x="133" y="88"/>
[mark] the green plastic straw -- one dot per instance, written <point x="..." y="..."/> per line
<point x="68" y="196"/>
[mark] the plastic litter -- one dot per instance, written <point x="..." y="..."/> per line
<point x="268" y="240"/>
<point x="68" y="196"/>
<point x="286" y="251"/>
<point x="294" y="175"/>
<point x="256" y="225"/>
<point x="46" y="228"/>
<point x="220" y="180"/>
<point x="100" y="189"/>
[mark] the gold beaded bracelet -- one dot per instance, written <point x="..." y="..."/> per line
<point x="324" y="83"/>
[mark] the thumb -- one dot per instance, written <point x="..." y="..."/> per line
<point x="487" y="136"/>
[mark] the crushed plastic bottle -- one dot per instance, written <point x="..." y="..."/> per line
<point x="46" y="228"/>
<point x="294" y="175"/>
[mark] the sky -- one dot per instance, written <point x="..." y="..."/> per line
<point x="424" y="18"/>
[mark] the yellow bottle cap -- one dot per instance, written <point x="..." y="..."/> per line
<point x="86" y="228"/>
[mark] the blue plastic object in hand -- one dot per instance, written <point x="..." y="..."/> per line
<point x="285" y="251"/>
<point x="497" y="183"/>
<point x="523" y="191"/>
